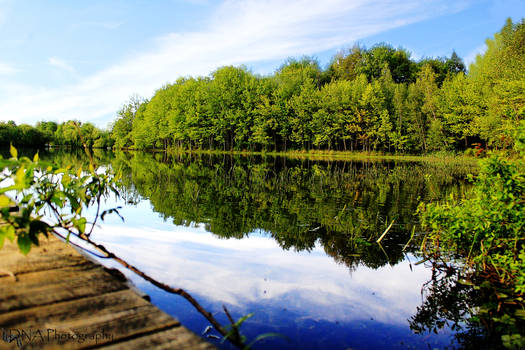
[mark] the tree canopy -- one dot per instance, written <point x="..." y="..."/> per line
<point x="370" y="99"/>
<point x="367" y="99"/>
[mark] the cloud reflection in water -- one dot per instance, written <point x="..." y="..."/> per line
<point x="257" y="270"/>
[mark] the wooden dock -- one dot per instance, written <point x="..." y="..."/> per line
<point x="56" y="298"/>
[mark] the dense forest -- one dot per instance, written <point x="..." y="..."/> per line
<point x="367" y="99"/>
<point x="71" y="133"/>
<point x="370" y="99"/>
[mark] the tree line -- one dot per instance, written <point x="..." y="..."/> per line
<point x="369" y="99"/>
<point x="376" y="99"/>
<point x="71" y="133"/>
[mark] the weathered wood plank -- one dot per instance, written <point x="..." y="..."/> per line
<point x="55" y="314"/>
<point x="177" y="338"/>
<point x="96" y="329"/>
<point x="105" y="329"/>
<point x="50" y="255"/>
<point x="58" y="299"/>
<point x="51" y="286"/>
<point x="46" y="243"/>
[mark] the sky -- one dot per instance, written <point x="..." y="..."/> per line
<point x="83" y="59"/>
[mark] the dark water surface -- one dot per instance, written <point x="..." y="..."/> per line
<point x="291" y="241"/>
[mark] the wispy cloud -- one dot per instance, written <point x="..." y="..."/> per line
<point x="471" y="57"/>
<point x="240" y="32"/>
<point x="59" y="63"/>
<point x="259" y="271"/>
<point x="105" y="25"/>
<point x="6" y="69"/>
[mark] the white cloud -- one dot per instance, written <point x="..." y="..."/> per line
<point x="59" y="63"/>
<point x="257" y="270"/>
<point x="6" y="69"/>
<point x="471" y="57"/>
<point x="240" y="32"/>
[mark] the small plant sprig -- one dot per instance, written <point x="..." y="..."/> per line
<point x="40" y="198"/>
<point x="37" y="198"/>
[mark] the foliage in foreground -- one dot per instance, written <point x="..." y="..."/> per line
<point x="39" y="198"/>
<point x="483" y="234"/>
<point x="32" y="190"/>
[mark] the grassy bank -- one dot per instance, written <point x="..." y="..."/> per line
<point x="338" y="155"/>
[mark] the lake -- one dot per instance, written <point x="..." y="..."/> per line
<point x="291" y="241"/>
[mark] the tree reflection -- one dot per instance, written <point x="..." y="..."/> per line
<point x="459" y="303"/>
<point x="343" y="206"/>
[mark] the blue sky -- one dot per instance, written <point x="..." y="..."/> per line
<point x="82" y="60"/>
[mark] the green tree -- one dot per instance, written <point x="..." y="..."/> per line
<point x="499" y="76"/>
<point x="265" y="126"/>
<point x="47" y="129"/>
<point x="346" y="65"/>
<point x="398" y="61"/>
<point x="123" y="125"/>
<point x="231" y="106"/>
<point x="460" y="106"/>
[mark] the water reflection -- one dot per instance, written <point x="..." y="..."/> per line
<point x="301" y="291"/>
<point x="343" y="205"/>
<point x="291" y="240"/>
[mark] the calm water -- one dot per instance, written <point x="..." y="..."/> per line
<point x="292" y="241"/>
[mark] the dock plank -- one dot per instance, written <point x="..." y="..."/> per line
<point x="55" y="298"/>
<point x="170" y="339"/>
<point x="46" y="257"/>
<point x="51" y="286"/>
<point x="57" y="314"/>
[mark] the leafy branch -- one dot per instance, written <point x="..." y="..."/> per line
<point x="39" y="198"/>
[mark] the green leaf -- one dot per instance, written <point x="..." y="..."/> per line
<point x="4" y="201"/>
<point x="73" y="203"/>
<point x="266" y="335"/>
<point x="8" y="231"/>
<point x="27" y="198"/>
<point x="13" y="151"/>
<point x="5" y="232"/>
<point x="38" y="226"/>
<point x="34" y="239"/>
<point x="465" y="282"/>
<point x="241" y="320"/>
<point x="20" y="177"/>
<point x="9" y="188"/>
<point x="520" y="314"/>
<point x="80" y="224"/>
<point x="58" y="199"/>
<point x="66" y="179"/>
<point x="24" y="244"/>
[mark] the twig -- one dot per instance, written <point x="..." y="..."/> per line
<point x="79" y="246"/>
<point x="411" y="236"/>
<point x="179" y="291"/>
<point x="8" y="273"/>
<point x="228" y="315"/>
<point x="384" y="252"/>
<point x="96" y="216"/>
<point x="386" y="231"/>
